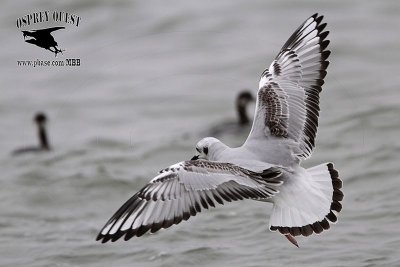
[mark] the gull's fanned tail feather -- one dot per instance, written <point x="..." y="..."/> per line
<point x="308" y="202"/>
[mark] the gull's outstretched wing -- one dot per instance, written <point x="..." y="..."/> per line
<point x="182" y="190"/>
<point x="288" y="95"/>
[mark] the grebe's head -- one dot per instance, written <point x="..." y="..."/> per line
<point x="40" y="118"/>
<point x="242" y="101"/>
<point x="207" y="147"/>
<point x="244" y="98"/>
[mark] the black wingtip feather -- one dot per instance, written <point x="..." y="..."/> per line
<point x="129" y="234"/>
<point x="325" y="55"/>
<point x="217" y="198"/>
<point x="318" y="19"/>
<point x="321" y="27"/>
<point x="203" y="203"/>
<point x="156" y="226"/>
<point x="324" y="44"/>
<point x="106" y="238"/>
<point x="142" y="230"/>
<point x="323" y="35"/>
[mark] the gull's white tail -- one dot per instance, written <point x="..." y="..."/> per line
<point x="308" y="201"/>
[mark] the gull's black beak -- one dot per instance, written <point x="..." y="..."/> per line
<point x="195" y="157"/>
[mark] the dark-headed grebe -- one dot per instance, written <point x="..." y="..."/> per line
<point x="40" y="120"/>
<point x="243" y="99"/>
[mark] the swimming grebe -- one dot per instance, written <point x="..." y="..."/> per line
<point x="40" y="119"/>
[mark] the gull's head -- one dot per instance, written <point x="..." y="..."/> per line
<point x="207" y="147"/>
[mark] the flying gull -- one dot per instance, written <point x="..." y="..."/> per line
<point x="265" y="168"/>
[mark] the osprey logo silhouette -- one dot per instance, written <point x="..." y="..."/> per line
<point x="43" y="39"/>
<point x="38" y="28"/>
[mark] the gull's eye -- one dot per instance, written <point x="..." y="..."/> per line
<point x="205" y="150"/>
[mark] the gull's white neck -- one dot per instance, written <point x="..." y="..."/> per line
<point x="216" y="150"/>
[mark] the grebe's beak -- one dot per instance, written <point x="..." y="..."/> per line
<point x="196" y="157"/>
